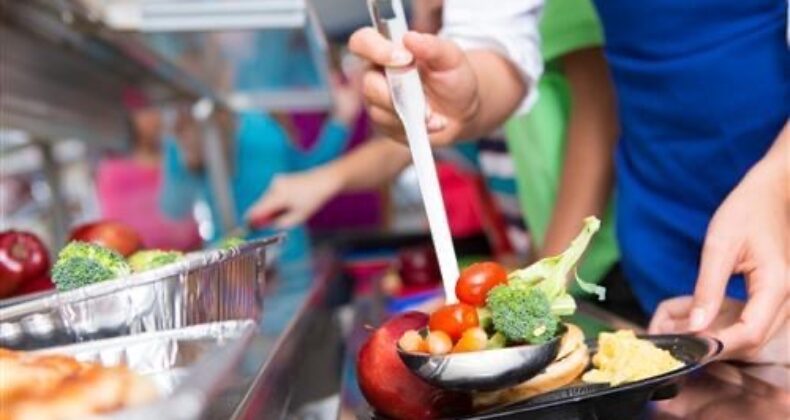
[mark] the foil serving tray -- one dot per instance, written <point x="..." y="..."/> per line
<point x="191" y="367"/>
<point x="209" y="286"/>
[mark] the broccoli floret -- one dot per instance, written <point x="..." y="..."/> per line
<point x="230" y="242"/>
<point x="80" y="264"/>
<point x="152" y="258"/>
<point x="522" y="314"/>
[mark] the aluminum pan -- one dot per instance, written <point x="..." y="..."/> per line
<point x="191" y="366"/>
<point x="210" y="286"/>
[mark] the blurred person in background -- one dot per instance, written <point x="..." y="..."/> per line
<point x="128" y="186"/>
<point x="259" y="149"/>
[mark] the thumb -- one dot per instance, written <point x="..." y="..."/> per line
<point x="433" y="52"/>
<point x="371" y="45"/>
<point x="716" y="266"/>
<point x="263" y="210"/>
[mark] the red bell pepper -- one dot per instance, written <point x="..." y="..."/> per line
<point x="23" y="257"/>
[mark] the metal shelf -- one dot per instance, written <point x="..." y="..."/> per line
<point x="63" y="74"/>
<point x="254" y="54"/>
<point x="65" y="63"/>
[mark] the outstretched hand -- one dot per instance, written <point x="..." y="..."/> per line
<point x="292" y="199"/>
<point x="749" y="235"/>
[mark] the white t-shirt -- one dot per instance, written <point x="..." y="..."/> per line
<point x="509" y="27"/>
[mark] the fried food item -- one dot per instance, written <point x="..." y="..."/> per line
<point x="571" y="360"/>
<point x="622" y="357"/>
<point x="23" y="375"/>
<point x="60" y="387"/>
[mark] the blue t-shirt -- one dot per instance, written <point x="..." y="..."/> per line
<point x="703" y="93"/>
<point x="262" y="151"/>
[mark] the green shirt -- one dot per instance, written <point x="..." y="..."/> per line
<point x="537" y="140"/>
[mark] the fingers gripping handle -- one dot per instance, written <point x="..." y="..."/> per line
<point x="409" y="100"/>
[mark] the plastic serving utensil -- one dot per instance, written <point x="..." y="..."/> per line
<point x="485" y="370"/>
<point x="409" y="100"/>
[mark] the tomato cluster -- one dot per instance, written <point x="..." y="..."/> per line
<point x="456" y="327"/>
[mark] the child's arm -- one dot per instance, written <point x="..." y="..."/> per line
<point x="587" y="172"/>
<point x="330" y="143"/>
<point x="337" y="129"/>
<point x="298" y="196"/>
<point x="370" y="166"/>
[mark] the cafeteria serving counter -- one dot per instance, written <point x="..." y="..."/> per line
<point x="304" y="368"/>
<point x="321" y="348"/>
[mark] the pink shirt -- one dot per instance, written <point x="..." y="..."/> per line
<point x="128" y="192"/>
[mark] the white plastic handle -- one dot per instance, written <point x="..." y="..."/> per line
<point x="409" y="100"/>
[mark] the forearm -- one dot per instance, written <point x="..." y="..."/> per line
<point x="502" y="44"/>
<point x="332" y="139"/>
<point x="588" y="171"/>
<point x="369" y="166"/>
<point x="501" y="89"/>
<point x="777" y="160"/>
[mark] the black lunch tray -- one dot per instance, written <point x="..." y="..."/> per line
<point x="600" y="401"/>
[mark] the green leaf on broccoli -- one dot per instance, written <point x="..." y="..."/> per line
<point x="551" y="274"/>
<point x="528" y="308"/>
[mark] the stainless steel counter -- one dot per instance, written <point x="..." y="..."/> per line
<point x="306" y="369"/>
<point x="286" y="370"/>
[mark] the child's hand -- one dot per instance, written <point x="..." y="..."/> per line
<point x="294" y="198"/>
<point x="748" y="235"/>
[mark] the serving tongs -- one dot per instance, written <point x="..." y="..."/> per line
<point x="409" y="100"/>
<point x="480" y="370"/>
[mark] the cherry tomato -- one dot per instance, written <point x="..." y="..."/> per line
<point x="477" y="279"/>
<point x="454" y="319"/>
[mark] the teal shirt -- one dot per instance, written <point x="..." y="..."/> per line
<point x="262" y="151"/>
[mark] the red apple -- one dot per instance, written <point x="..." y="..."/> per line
<point x="35" y="285"/>
<point x="114" y="235"/>
<point x="23" y="257"/>
<point x="390" y="387"/>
